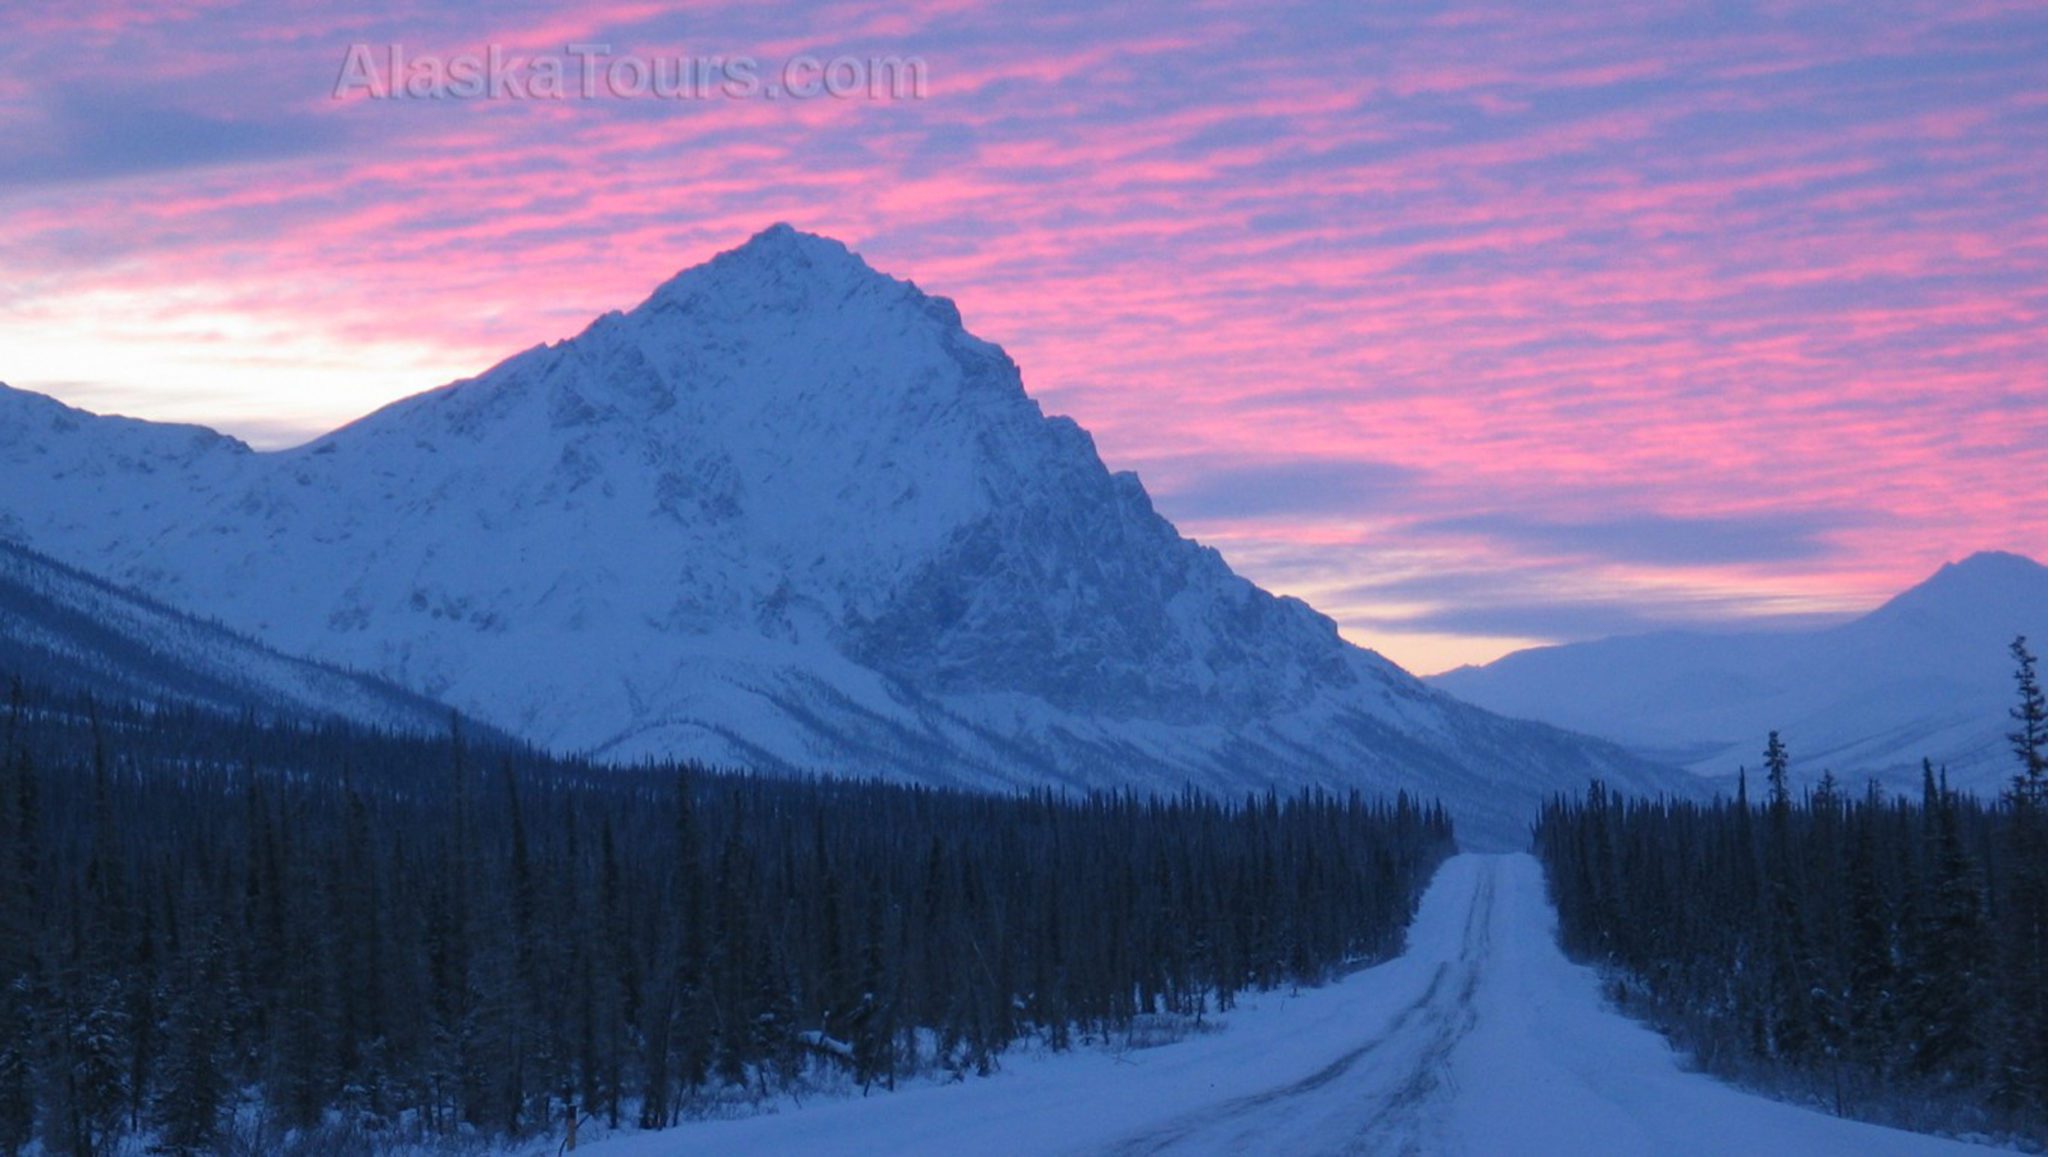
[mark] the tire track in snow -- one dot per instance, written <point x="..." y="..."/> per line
<point x="1401" y="1119"/>
<point x="1222" y="1116"/>
<point x="1378" y="1093"/>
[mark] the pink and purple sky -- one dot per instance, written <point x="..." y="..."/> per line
<point x="1476" y="325"/>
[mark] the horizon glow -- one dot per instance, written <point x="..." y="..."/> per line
<point x="1478" y="326"/>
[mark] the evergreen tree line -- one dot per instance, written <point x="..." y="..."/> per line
<point x="1883" y="956"/>
<point x="207" y="922"/>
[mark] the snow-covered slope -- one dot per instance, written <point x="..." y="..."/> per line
<point x="68" y="630"/>
<point x="787" y="513"/>
<point x="1925" y="675"/>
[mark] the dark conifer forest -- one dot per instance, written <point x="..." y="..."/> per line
<point x="281" y="934"/>
<point x="1877" y="956"/>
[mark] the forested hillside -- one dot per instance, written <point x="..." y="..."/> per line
<point x="1882" y="956"/>
<point x="292" y="931"/>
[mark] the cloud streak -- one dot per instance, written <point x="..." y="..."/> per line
<point x="1202" y="491"/>
<point x="1655" y="539"/>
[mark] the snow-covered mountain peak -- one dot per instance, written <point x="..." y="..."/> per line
<point x="790" y="329"/>
<point x="1975" y="605"/>
<point x="787" y="512"/>
<point x="785" y="270"/>
<point x="790" y="252"/>
<point x="1997" y="577"/>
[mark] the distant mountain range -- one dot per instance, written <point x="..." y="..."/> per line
<point x="788" y="514"/>
<point x="1925" y="675"/>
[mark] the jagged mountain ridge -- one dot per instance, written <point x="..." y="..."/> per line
<point x="1926" y="675"/>
<point x="789" y="513"/>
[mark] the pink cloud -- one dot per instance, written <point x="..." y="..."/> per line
<point x="1572" y="258"/>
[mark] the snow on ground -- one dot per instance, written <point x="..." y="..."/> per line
<point x="1482" y="1039"/>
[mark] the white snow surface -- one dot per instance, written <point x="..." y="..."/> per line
<point x="68" y="627"/>
<point x="1926" y="675"/>
<point x="787" y="513"/>
<point x="1481" y="1039"/>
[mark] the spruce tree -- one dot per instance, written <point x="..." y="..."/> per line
<point x="1792" y="1021"/>
<point x="196" y="1080"/>
<point x="2030" y="738"/>
<point x="1776" y="761"/>
<point x="20" y="834"/>
<point x="1946" y="994"/>
<point x="1871" y="970"/>
<point x="2023" y="927"/>
<point x="17" y="1061"/>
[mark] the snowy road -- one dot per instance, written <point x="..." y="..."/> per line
<point x="1377" y="1097"/>
<point x="1482" y="1039"/>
